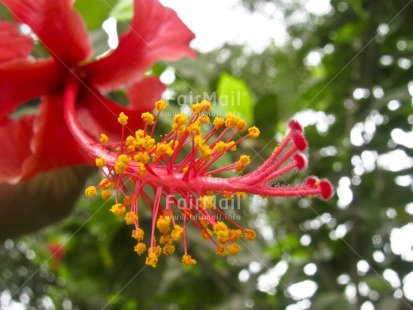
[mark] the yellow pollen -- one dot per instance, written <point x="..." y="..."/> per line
<point x="206" y="234"/>
<point x="118" y="209"/>
<point x="204" y="119"/>
<point x="130" y="218"/>
<point x="168" y="249"/>
<point x="148" y="118"/>
<point x="220" y="250"/>
<point x="233" y="249"/>
<point x="160" y="105"/>
<point x="138" y="234"/>
<point x="206" y="202"/>
<point x="105" y="194"/>
<point x="220" y="147"/>
<point x="253" y="132"/>
<point x="180" y="119"/>
<point x="100" y="162"/>
<point x="249" y="234"/>
<point x="227" y="195"/>
<point x="241" y="195"/>
<point x="151" y="260"/>
<point x="165" y="239"/>
<point x="142" y="157"/>
<point x="122" y="119"/>
<point x="163" y="223"/>
<point x="140" y="248"/>
<point x="91" y="191"/>
<point x="177" y="233"/>
<point x="156" y="250"/>
<point x="218" y="122"/>
<point x="187" y="260"/>
<point x="103" y="138"/>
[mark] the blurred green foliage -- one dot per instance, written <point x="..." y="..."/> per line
<point x="362" y="87"/>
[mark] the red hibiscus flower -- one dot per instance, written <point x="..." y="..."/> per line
<point x="42" y="141"/>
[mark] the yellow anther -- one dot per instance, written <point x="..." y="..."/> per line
<point x="205" y="151"/>
<point x="233" y="249"/>
<point x="194" y="128"/>
<point x="185" y="169"/>
<point x="241" y="195"/>
<point x="118" y="209"/>
<point x="120" y="167"/>
<point x="165" y="239"/>
<point x="140" y="248"/>
<point x="142" y="169"/>
<point x="177" y="233"/>
<point x="204" y="119"/>
<point x="100" y="162"/>
<point x="105" y="194"/>
<point x="253" y="132"/>
<point x="249" y="234"/>
<point x="244" y="160"/>
<point x="206" y="234"/>
<point x="206" y="202"/>
<point x="124" y="158"/>
<point x="103" y="138"/>
<point x="148" y="118"/>
<point x="131" y="218"/>
<point x="138" y="234"/>
<point x="163" y="223"/>
<point x="90" y="191"/>
<point x="233" y="121"/>
<point x="168" y="249"/>
<point x="187" y="260"/>
<point x="241" y="125"/>
<point x="155" y="250"/>
<point x="122" y="119"/>
<point x="196" y="108"/>
<point x="180" y="119"/>
<point x="151" y="260"/>
<point x="139" y="134"/>
<point x="220" y="147"/>
<point x="227" y="195"/>
<point x="141" y="157"/>
<point x="220" y="250"/>
<point x="205" y="105"/>
<point x="234" y="235"/>
<point x="162" y="149"/>
<point x="160" y="105"/>
<point x="218" y="122"/>
<point x="220" y="226"/>
<point x="232" y="146"/>
<point x="204" y="222"/>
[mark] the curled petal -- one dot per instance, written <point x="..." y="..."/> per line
<point x="143" y="93"/>
<point x="13" y="45"/>
<point x="52" y="145"/>
<point x="15" y="137"/>
<point x="24" y="80"/>
<point x="156" y="33"/>
<point x="98" y="114"/>
<point x="54" y="22"/>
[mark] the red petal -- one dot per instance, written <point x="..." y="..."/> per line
<point x="98" y="115"/>
<point x="58" y="26"/>
<point x="23" y="80"/>
<point x="156" y="33"/>
<point x="143" y="94"/>
<point x="52" y="145"/>
<point x="15" y="137"/>
<point x="13" y="45"/>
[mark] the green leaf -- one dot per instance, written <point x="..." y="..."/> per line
<point x="94" y="12"/>
<point x="233" y="95"/>
<point x="123" y="10"/>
